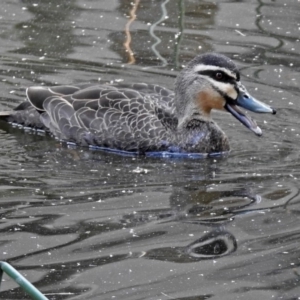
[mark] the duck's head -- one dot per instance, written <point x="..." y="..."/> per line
<point x="212" y="81"/>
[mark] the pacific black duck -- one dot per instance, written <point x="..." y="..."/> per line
<point x="144" y="118"/>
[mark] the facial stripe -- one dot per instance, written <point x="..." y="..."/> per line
<point x="202" y="68"/>
<point x="227" y="85"/>
<point x="227" y="90"/>
<point x="212" y="74"/>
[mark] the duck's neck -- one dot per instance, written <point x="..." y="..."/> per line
<point x="188" y="101"/>
<point x="187" y="111"/>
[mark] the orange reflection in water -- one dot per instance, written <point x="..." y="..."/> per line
<point x="131" y="59"/>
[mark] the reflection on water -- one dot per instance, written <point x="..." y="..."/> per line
<point x="84" y="224"/>
<point x="213" y="245"/>
<point x="51" y="28"/>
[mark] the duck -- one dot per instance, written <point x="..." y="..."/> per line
<point x="143" y="118"/>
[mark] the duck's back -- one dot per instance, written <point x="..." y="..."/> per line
<point x="136" y="117"/>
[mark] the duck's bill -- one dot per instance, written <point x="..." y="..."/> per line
<point x="248" y="102"/>
<point x="247" y="121"/>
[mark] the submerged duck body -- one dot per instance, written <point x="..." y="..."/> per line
<point x="142" y="117"/>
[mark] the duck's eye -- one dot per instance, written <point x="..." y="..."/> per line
<point x="219" y="76"/>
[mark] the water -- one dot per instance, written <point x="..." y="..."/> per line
<point x="84" y="224"/>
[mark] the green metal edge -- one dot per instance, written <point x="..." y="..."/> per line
<point x="21" y="281"/>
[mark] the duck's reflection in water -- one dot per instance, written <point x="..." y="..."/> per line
<point x="208" y="210"/>
<point x="213" y="245"/>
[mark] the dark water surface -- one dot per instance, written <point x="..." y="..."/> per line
<point x="91" y="225"/>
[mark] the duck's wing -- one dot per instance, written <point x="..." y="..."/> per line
<point x="103" y="115"/>
<point x="28" y="113"/>
<point x="161" y="94"/>
<point x="163" y="99"/>
<point x="36" y="95"/>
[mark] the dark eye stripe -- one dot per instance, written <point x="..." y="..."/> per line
<point x="211" y="73"/>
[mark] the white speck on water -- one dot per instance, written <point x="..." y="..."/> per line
<point x="139" y="170"/>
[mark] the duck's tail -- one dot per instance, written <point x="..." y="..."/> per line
<point x="25" y="115"/>
<point x="4" y="115"/>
